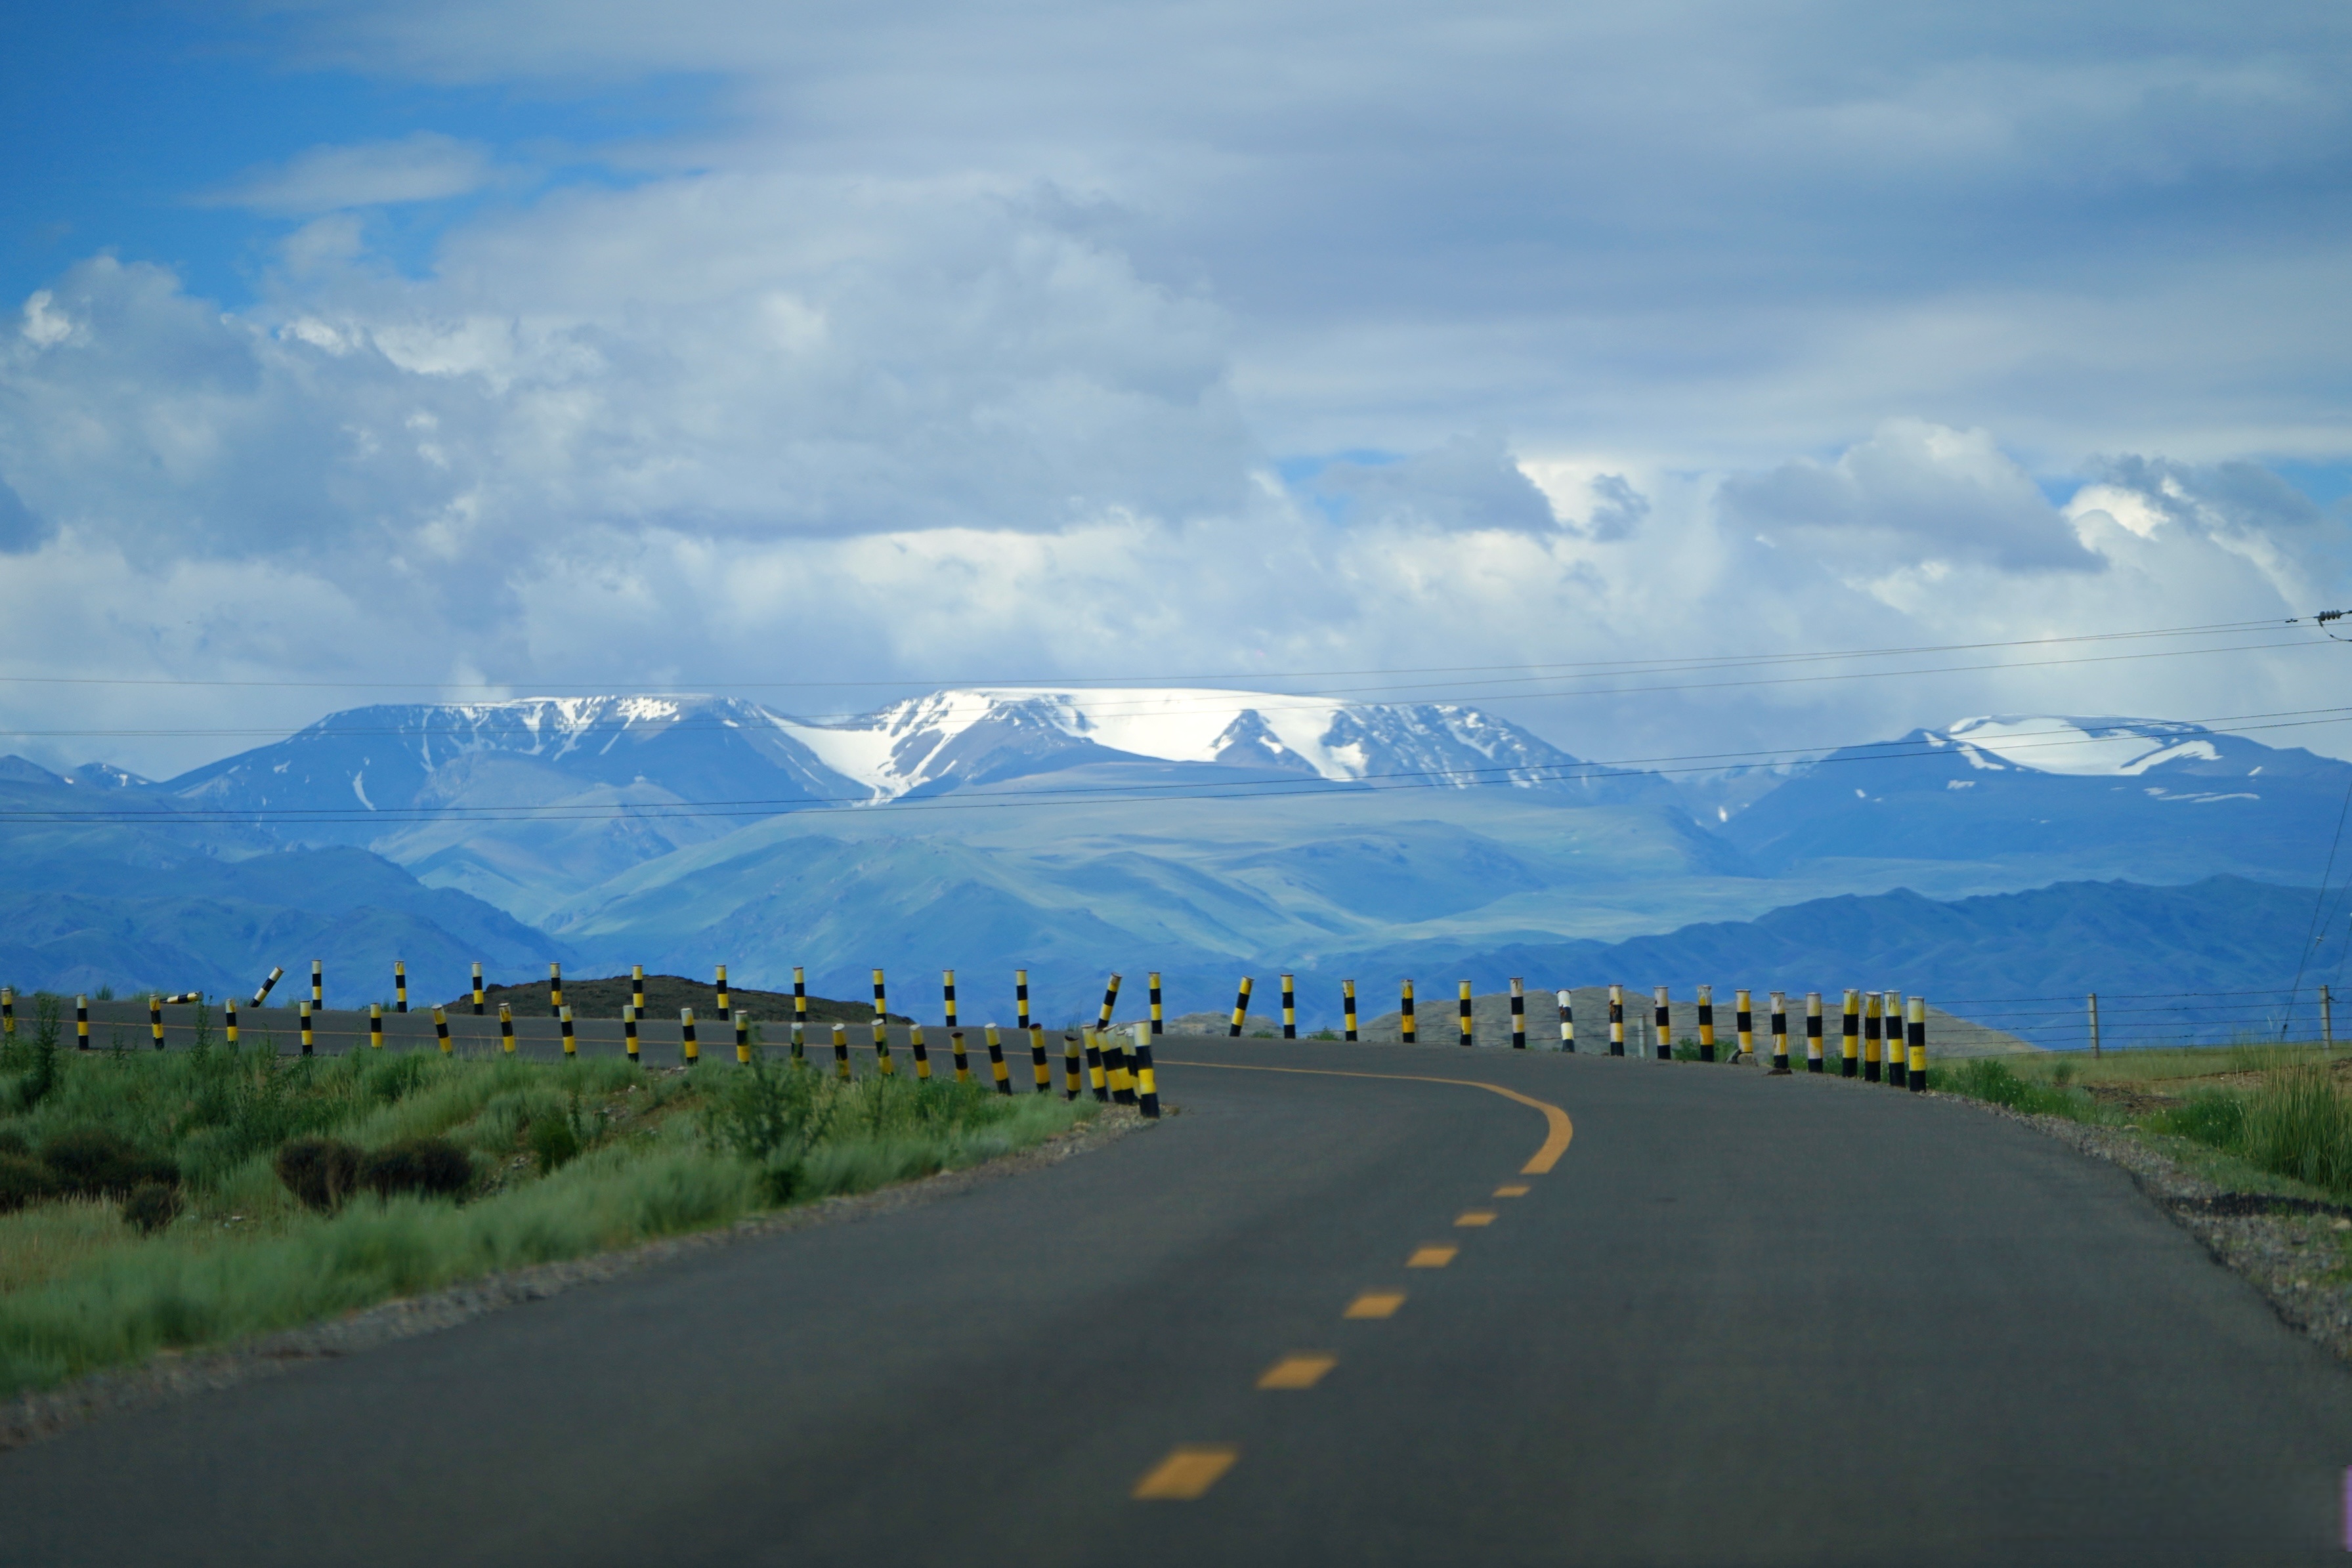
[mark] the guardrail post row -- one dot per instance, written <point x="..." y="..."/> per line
<point x="687" y="1047"/>
<point x="1405" y="1029"/>
<point x="571" y="1046"/>
<point x="1897" y="1072"/>
<point x="1707" y="1024"/>
<point x="1289" y="1008"/>
<point x="1073" y="1066"/>
<point x="1662" y="1009"/>
<point x="963" y="1065"/>
<point x="742" y="1017"/>
<point x="375" y="1026"/>
<point x="1021" y="999"/>
<point x="81" y="1023"/>
<point x="1780" y="1033"/>
<point x="228" y="1020"/>
<point x="155" y="1015"/>
<point x="922" y="1057"/>
<point x="1157" y="1027"/>
<point x="554" y="991"/>
<point x="1917" y="1047"/>
<point x="318" y="985"/>
<point x="1110" y="1002"/>
<point x="1467" y="1025"/>
<point x="262" y="995"/>
<point x="441" y="1030"/>
<point x="1616" y="1021"/>
<point x="1348" y="1006"/>
<point x="478" y="990"/>
<point x="723" y="1009"/>
<point x="306" y="1028"/>
<point x="995" y="1058"/>
<point x="1147" y="1081"/>
<point x="841" y="1052"/>
<point x="1567" y="1002"/>
<point x="1813" y="1032"/>
<point x="629" y="1030"/>
<point x="399" y="986"/>
<point x="1743" y="1020"/>
<point x="1518" y="1013"/>
<point x="1241" y="1010"/>
<point x="1870" y="1063"/>
<point x="1037" y="1063"/>
<point x="506" y="1028"/>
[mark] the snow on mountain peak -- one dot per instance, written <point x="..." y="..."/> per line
<point x="2103" y="748"/>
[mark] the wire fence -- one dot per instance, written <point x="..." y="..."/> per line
<point x="2118" y="1020"/>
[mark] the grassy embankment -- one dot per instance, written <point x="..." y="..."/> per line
<point x="144" y="1209"/>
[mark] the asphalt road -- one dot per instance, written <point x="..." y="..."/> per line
<point x="1740" y="1321"/>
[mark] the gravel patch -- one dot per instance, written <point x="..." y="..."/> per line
<point x="174" y="1375"/>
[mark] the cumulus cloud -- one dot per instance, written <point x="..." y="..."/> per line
<point x="424" y="167"/>
<point x="1469" y="482"/>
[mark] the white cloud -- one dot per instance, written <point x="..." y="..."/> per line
<point x="424" y="167"/>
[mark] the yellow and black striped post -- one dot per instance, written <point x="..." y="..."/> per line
<point x="841" y="1052"/>
<point x="506" y="1028"/>
<point x="881" y="1027"/>
<point x="1568" y="1022"/>
<point x="1616" y="1021"/>
<point x="555" y="990"/>
<point x="1115" y="1068"/>
<point x="1743" y="1020"/>
<point x="1289" y="1008"/>
<point x="375" y="1025"/>
<point x="81" y="1023"/>
<point x="1241" y="1009"/>
<point x="1348" y="1006"/>
<point x="963" y="1065"/>
<point x="1707" y="1024"/>
<point x="687" y="1045"/>
<point x="262" y="995"/>
<point x="1021" y="999"/>
<point x="1072" y="1066"/>
<point x="1813" y="1031"/>
<point x="996" y="1061"/>
<point x="1869" y="1036"/>
<point x="228" y="1020"/>
<point x="1518" y="1013"/>
<point x="399" y="986"/>
<point x="1464" y="1020"/>
<point x="1898" y="1059"/>
<point x="318" y="985"/>
<point x="155" y="1015"/>
<point x="441" y="1030"/>
<point x="1849" y="1042"/>
<point x="1918" y="1044"/>
<point x="478" y="990"/>
<point x="946" y="996"/>
<point x="306" y="1037"/>
<point x="1662" y="1010"/>
<point x="7" y="1016"/>
<point x="629" y="1030"/>
<point x="922" y="1057"/>
<point x="723" y="1008"/>
<point x="800" y="1014"/>
<point x="637" y="988"/>
<point x="1405" y="1030"/>
<point x="1780" y="1032"/>
<point x="1147" y="1080"/>
<point x="1111" y="1001"/>
<point x="1096" y="1079"/>
<point x="743" y="1037"/>
<point x="1037" y="1059"/>
<point x="1156" y="1027"/>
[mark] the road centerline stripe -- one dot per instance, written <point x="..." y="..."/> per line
<point x="1475" y="1217"/>
<point x="1298" y="1370"/>
<point x="1189" y="1469"/>
<point x="1510" y="1192"/>
<point x="1559" y="1129"/>
<point x="1375" y="1304"/>
<point x="1430" y="1256"/>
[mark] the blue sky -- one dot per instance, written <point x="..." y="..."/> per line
<point x="440" y="343"/>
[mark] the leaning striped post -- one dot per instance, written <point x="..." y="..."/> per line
<point x="1518" y="1014"/>
<point x="1813" y="1031"/>
<point x="1289" y="1008"/>
<point x="1146" y="1082"/>
<point x="228" y="1019"/>
<point x="375" y="1025"/>
<point x="1849" y="1043"/>
<point x="687" y="1045"/>
<point x="1898" y="1059"/>
<point x="306" y="1039"/>
<point x="915" y="1047"/>
<point x="506" y="1028"/>
<point x="629" y="1030"/>
<point x="1021" y="999"/>
<point x="1158" y="1028"/>
<point x="1869" y="1057"/>
<point x="1097" y="1079"/>
<point x="962" y="1064"/>
<point x="318" y="985"/>
<point x="81" y="1023"/>
<point x="1115" y="1068"/>
<point x="1348" y="1005"/>
<point x="555" y="990"/>
<point x="1707" y="1024"/>
<point x="743" y="1037"/>
<point x="721" y="987"/>
<point x="1468" y="1035"/>
<point x="995" y="1058"/>
<point x="262" y="995"/>
<point x="1568" y="1022"/>
<point x="1743" y="1020"/>
<point x="1111" y="1001"/>
<point x="478" y="990"/>
<point x="155" y="1015"/>
<point x="637" y="988"/>
<point x="841" y="1052"/>
<point x="1616" y="1021"/>
<point x="1074" y="1064"/>
<point x="1241" y="1009"/>
<point x="1404" y="1015"/>
<point x="1661" y="1003"/>
<point x="1780" y="1033"/>
<point x="1037" y="1063"/>
<point x="1918" y="1044"/>
<point x="399" y="986"/>
<point x="441" y="1030"/>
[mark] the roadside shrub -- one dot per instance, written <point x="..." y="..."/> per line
<point x="321" y="1172"/>
<point x="1989" y="1079"/>
<point x="393" y="1079"/>
<point x="23" y="1180"/>
<point x="13" y="1142"/>
<point x="150" y="1207"/>
<point x="2217" y="1120"/>
<point x="429" y="1168"/>
<point x="96" y="1163"/>
<point x="553" y="1144"/>
<point x="2299" y="1124"/>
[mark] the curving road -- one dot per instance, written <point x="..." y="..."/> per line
<point x="1738" y="1321"/>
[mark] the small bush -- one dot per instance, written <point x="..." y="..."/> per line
<point x="553" y="1144"/>
<point x="13" y="1142"/>
<point x="428" y="1167"/>
<point x="96" y="1163"/>
<point x="23" y="1180"/>
<point x="1989" y="1077"/>
<point x="150" y="1207"/>
<point x="2299" y="1124"/>
<point x="2217" y="1120"/>
<point x="321" y="1172"/>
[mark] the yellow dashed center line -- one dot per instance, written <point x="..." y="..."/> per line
<point x="1475" y="1217"/>
<point x="1297" y="1371"/>
<point x="1430" y="1256"/>
<point x="1189" y="1469"/>
<point x="1376" y="1305"/>
<point x="1510" y="1192"/>
<point x="1557" y="1128"/>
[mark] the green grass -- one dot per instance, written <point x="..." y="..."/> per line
<point x="1993" y="1079"/>
<point x="571" y="1158"/>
